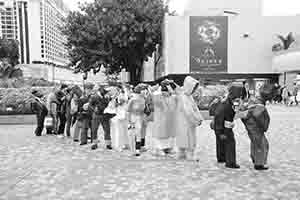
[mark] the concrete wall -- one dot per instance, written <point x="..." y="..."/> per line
<point x="56" y="74"/>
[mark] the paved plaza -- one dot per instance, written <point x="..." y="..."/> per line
<point x="49" y="168"/>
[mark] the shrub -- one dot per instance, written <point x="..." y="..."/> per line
<point x="18" y="100"/>
<point x="21" y="82"/>
<point x="204" y="96"/>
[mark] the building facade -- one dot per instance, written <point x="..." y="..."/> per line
<point x="250" y="37"/>
<point x="36" y="25"/>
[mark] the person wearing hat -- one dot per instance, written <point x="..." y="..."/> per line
<point x="223" y="126"/>
<point x="99" y="102"/>
<point x="257" y="122"/>
<point x="39" y="108"/>
<point x="135" y="110"/>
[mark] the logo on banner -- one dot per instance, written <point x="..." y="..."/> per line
<point x="208" y="45"/>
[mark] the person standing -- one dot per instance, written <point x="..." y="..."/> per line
<point x="53" y="101"/>
<point x="188" y="118"/>
<point x="295" y="93"/>
<point x="164" y="102"/>
<point x="40" y="109"/>
<point x="285" y="95"/>
<point x="257" y="122"/>
<point x="67" y="102"/>
<point x="220" y="140"/>
<point x="61" y="111"/>
<point x="100" y="102"/>
<point x="224" y="123"/>
<point x="85" y="112"/>
<point x="77" y="94"/>
<point x="136" y="107"/>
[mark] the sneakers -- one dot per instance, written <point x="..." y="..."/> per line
<point x="109" y="147"/>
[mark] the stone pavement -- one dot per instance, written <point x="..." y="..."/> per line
<point x="48" y="168"/>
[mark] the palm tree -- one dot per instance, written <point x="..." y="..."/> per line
<point x="286" y="41"/>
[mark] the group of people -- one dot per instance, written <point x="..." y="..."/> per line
<point x="162" y="118"/>
<point x="287" y="96"/>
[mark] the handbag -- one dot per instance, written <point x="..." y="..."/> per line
<point x="48" y="123"/>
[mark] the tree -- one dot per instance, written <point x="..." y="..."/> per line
<point x="114" y="33"/>
<point x="286" y="41"/>
<point x="9" y="50"/>
<point x="9" y="58"/>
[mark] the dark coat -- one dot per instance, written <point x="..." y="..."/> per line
<point x="258" y="119"/>
<point x="223" y="112"/>
<point x="38" y="107"/>
<point x="257" y="123"/>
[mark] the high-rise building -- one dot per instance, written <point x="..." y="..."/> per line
<point x="36" y="25"/>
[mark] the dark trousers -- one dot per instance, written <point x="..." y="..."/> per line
<point x="105" y="123"/>
<point x="40" y="123"/>
<point x="220" y="148"/>
<point x="62" y="123"/>
<point x="230" y="152"/>
<point x="85" y="125"/>
<point x="68" y="124"/>
<point x="259" y="148"/>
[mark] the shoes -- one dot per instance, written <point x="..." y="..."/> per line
<point x="233" y="166"/>
<point x="76" y="140"/>
<point x="260" y="167"/>
<point x="94" y="146"/>
<point x="83" y="143"/>
<point x="60" y="136"/>
<point x="221" y="161"/>
<point x="109" y="147"/>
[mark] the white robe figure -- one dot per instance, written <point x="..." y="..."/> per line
<point x="164" y="119"/>
<point x="121" y="123"/>
<point x="188" y="117"/>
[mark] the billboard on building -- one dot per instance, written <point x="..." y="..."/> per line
<point x="208" y="44"/>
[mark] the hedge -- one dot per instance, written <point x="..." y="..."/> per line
<point x="19" y="99"/>
<point x="15" y="101"/>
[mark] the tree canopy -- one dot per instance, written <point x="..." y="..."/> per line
<point x="9" y="50"/>
<point x="114" y="33"/>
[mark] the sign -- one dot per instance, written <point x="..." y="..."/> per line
<point x="208" y="43"/>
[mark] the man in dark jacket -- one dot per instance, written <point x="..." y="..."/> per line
<point x="257" y="123"/>
<point x="38" y="106"/>
<point x="61" y="111"/>
<point x="223" y="125"/>
<point x="99" y="102"/>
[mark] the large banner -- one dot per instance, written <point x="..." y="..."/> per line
<point x="208" y="44"/>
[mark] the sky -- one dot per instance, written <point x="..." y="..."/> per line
<point x="270" y="7"/>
